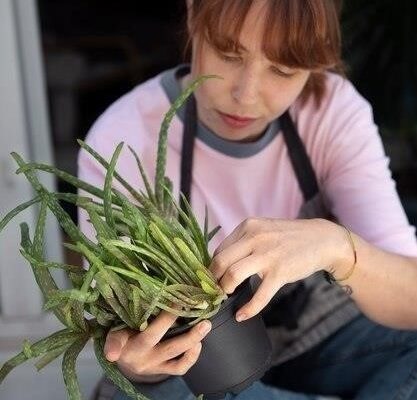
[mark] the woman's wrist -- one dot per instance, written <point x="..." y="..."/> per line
<point x="341" y="252"/>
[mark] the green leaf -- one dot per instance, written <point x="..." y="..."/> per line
<point x="163" y="135"/>
<point x="160" y="237"/>
<point x="63" y="218"/>
<point x="43" y="277"/>
<point x="50" y="356"/>
<point x="195" y="228"/>
<point x="57" y="339"/>
<point x="61" y="296"/>
<point x="145" y="180"/>
<point x="65" y="176"/>
<point x="106" y="291"/>
<point x="11" y="214"/>
<point x="107" y="200"/>
<point x="167" y="206"/>
<point x="103" y="317"/>
<point x="101" y="226"/>
<point x="143" y="323"/>
<point x="76" y="269"/>
<point x="205" y="230"/>
<point x="68" y="368"/>
<point x="105" y="164"/>
<point x="207" y="288"/>
<point x="213" y="232"/>
<point x="157" y="259"/>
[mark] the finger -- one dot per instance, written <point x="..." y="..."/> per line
<point x="183" y="364"/>
<point x="234" y="236"/>
<point x="115" y="342"/>
<point x="228" y="256"/>
<point x="260" y="299"/>
<point x="156" y="330"/>
<point x="171" y="348"/>
<point x="239" y="272"/>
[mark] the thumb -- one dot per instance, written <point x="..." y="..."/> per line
<point x="115" y="341"/>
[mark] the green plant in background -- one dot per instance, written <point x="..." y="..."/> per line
<point x="144" y="260"/>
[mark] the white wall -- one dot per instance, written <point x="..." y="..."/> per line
<point x="24" y="128"/>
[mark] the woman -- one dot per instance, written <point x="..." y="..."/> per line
<point x="274" y="196"/>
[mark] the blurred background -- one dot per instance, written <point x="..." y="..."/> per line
<point x="64" y="61"/>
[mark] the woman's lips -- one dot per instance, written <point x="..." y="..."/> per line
<point x="235" y="121"/>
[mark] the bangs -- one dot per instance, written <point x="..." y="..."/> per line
<point x="298" y="33"/>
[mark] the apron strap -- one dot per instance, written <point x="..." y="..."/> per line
<point x="187" y="151"/>
<point x="299" y="158"/>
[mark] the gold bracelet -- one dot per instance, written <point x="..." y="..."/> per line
<point x="350" y="272"/>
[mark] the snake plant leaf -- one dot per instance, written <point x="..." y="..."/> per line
<point x="103" y="317"/>
<point x="11" y="214"/>
<point x="213" y="232"/>
<point x="76" y="280"/>
<point x="143" y="322"/>
<point x="107" y="200"/>
<point x="192" y="225"/>
<point x="161" y="238"/>
<point x="205" y="229"/>
<point x="145" y="179"/>
<point x="68" y="368"/>
<point x="61" y="296"/>
<point x="207" y="288"/>
<point x="65" y="176"/>
<point x="107" y="292"/>
<point x="167" y="206"/>
<point x="195" y="228"/>
<point x="119" y="287"/>
<point x="133" y="213"/>
<point x="105" y="164"/>
<point x="159" y="263"/>
<point x="163" y="135"/>
<point x="101" y="226"/>
<point x="43" y="277"/>
<point x="57" y="339"/>
<point x="50" y="356"/>
<point x="76" y="269"/>
<point x="62" y="216"/>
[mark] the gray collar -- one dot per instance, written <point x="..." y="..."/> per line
<point x="170" y="83"/>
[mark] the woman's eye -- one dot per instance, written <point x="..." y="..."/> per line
<point x="280" y="72"/>
<point x="230" y="59"/>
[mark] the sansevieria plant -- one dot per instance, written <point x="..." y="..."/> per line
<point x="149" y="255"/>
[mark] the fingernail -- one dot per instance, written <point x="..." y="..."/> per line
<point x="204" y="327"/>
<point x="111" y="356"/>
<point x="240" y="317"/>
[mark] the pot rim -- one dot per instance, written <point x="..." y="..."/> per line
<point x="224" y="307"/>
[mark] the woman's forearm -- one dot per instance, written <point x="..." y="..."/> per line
<point x="383" y="284"/>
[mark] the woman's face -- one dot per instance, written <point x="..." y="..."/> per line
<point x="254" y="90"/>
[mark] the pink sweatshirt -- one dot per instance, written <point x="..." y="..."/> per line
<point x="340" y="137"/>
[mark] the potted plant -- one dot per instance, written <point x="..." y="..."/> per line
<point x="149" y="255"/>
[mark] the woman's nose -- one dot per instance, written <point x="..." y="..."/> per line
<point x="245" y="90"/>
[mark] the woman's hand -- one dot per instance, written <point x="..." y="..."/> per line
<point x="142" y="357"/>
<point x="279" y="252"/>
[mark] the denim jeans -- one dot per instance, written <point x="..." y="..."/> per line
<point x="361" y="361"/>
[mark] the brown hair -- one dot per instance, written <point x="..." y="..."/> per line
<point x="298" y="33"/>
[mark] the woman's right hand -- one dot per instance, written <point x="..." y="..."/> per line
<point x="142" y="357"/>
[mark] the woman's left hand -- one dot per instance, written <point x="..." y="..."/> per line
<point x="279" y="252"/>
